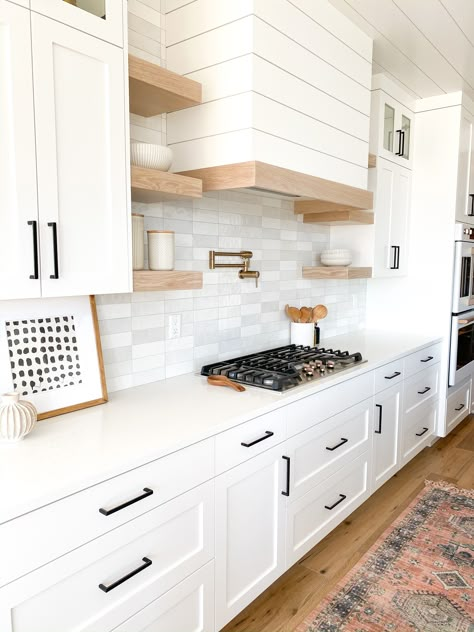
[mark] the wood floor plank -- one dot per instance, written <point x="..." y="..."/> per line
<point x="283" y="606"/>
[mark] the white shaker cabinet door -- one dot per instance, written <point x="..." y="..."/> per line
<point x="250" y="518"/>
<point x="19" y="266"/>
<point x="399" y="223"/>
<point x="388" y="408"/>
<point x="81" y="155"/>
<point x="465" y="188"/>
<point x="100" y="18"/>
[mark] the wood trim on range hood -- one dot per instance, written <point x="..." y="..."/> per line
<point x="284" y="182"/>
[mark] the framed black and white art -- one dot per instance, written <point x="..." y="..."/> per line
<point x="50" y="353"/>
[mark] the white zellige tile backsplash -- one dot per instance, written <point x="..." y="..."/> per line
<point x="228" y="316"/>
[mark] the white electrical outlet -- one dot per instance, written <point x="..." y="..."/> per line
<point x="174" y="326"/>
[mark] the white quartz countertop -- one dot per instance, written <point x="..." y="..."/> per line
<point x="69" y="453"/>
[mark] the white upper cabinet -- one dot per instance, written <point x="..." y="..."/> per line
<point x="80" y="136"/>
<point x="465" y="189"/>
<point x="391" y="134"/>
<point x="100" y="18"/>
<point x="391" y="185"/>
<point x="19" y="265"/>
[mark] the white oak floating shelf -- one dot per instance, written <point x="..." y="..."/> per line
<point x="151" y="280"/>
<point x="151" y="185"/>
<point x="336" y="272"/>
<point x="261" y="176"/>
<point x="155" y="90"/>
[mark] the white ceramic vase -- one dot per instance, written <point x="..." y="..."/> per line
<point x="17" y="418"/>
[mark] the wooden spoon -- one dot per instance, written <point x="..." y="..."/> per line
<point x="295" y="314"/>
<point x="306" y="315"/>
<point x="319" y="312"/>
<point x="222" y="380"/>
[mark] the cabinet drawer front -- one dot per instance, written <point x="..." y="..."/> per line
<point x="422" y="359"/>
<point x="418" y="428"/>
<point x="85" y="591"/>
<point x="320" y="451"/>
<point x="312" y="410"/>
<point x="388" y="375"/>
<point x="457" y="406"/>
<point x="420" y="388"/>
<point x="188" y="607"/>
<point x="315" y="514"/>
<point x="247" y="440"/>
<point x="75" y="520"/>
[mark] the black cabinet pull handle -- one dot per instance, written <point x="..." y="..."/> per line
<point x="379" y="431"/>
<point x="420" y="434"/>
<point x="399" y="152"/>
<point x="460" y="407"/>
<point x="396" y="258"/>
<point x="54" y="227"/>
<point x="342" y="497"/>
<point x="427" y="359"/>
<point x="286" y="492"/>
<point x="390" y="377"/>
<point x="147" y="563"/>
<point x="425" y="390"/>
<point x="402" y="151"/>
<point x="471" y="214"/>
<point x="267" y="435"/>
<point x="335" y="447"/>
<point x="108" y="512"/>
<point x="34" y="225"/>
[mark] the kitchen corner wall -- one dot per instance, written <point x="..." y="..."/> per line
<point x="228" y="316"/>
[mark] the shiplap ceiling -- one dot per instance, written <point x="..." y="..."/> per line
<point x="426" y="45"/>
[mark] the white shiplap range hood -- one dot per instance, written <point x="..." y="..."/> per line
<point x="286" y="84"/>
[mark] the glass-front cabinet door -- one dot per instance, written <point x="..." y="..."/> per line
<point x="395" y="131"/>
<point x="100" y="18"/>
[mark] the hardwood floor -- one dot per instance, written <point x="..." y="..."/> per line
<point x="283" y="606"/>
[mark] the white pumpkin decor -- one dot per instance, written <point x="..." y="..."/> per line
<point x="17" y="418"/>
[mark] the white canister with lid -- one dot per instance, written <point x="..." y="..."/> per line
<point x="161" y="249"/>
<point x="138" y="241"/>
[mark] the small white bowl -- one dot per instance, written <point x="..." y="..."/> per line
<point x="338" y="252"/>
<point x="338" y="257"/>
<point x="151" y="156"/>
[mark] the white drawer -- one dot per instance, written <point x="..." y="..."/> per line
<point x="388" y="375"/>
<point x="422" y="359"/>
<point x="421" y="387"/>
<point x="75" y="520"/>
<point x="457" y="406"/>
<point x="315" y="514"/>
<point x="177" y="538"/>
<point x="247" y="440"/>
<point x="312" y="410"/>
<point x="418" y="429"/>
<point x="188" y="607"/>
<point x="320" y="451"/>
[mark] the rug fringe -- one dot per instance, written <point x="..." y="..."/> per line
<point x="469" y="493"/>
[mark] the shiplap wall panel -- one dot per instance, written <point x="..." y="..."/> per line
<point x="223" y="149"/>
<point x="226" y="79"/>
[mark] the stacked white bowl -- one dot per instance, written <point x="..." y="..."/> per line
<point x="340" y="257"/>
<point x="151" y="156"/>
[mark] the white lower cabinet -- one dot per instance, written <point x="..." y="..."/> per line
<point x="98" y="586"/>
<point x="250" y="521"/>
<point x="388" y="408"/>
<point x="188" y="607"/>
<point x="418" y="429"/>
<point x="458" y="404"/>
<point x="315" y="514"/>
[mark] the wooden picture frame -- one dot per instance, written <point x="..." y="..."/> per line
<point x="51" y="353"/>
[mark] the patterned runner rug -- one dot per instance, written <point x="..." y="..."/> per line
<point x="417" y="577"/>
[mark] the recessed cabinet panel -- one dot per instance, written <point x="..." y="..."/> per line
<point x="19" y="264"/>
<point x="80" y="117"/>
<point x="388" y="127"/>
<point x="250" y="515"/>
<point x="101" y="18"/>
<point x="386" y="434"/>
<point x="465" y="188"/>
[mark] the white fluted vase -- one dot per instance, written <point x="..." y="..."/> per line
<point x="17" y="418"/>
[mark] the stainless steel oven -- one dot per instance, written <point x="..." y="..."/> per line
<point x="463" y="288"/>
<point x="461" y="355"/>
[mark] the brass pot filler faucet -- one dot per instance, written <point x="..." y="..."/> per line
<point x="245" y="255"/>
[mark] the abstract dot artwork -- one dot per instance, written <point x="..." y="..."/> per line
<point x="43" y="354"/>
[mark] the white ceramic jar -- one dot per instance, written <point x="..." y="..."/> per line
<point x="138" y="241"/>
<point x="17" y="418"/>
<point x="302" y="334"/>
<point x="161" y="249"/>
